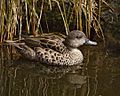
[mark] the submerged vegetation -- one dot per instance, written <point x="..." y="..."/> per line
<point x="20" y="17"/>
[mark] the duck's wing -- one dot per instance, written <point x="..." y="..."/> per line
<point x="51" y="41"/>
<point x="23" y="49"/>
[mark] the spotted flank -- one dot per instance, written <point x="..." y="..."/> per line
<point x="52" y="57"/>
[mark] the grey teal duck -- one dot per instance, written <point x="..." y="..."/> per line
<point x="54" y="50"/>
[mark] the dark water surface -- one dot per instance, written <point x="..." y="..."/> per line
<point x="99" y="76"/>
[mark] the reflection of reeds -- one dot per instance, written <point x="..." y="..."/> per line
<point x="18" y="17"/>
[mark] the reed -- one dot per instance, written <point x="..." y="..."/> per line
<point x="27" y="16"/>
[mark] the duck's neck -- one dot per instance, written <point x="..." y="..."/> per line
<point x="73" y="49"/>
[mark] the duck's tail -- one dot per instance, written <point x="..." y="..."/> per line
<point x="23" y="49"/>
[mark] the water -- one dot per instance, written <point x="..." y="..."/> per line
<point x="99" y="75"/>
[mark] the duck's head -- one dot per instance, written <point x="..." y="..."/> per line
<point x="77" y="38"/>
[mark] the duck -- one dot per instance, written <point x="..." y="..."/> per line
<point x="52" y="49"/>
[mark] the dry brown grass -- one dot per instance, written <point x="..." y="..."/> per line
<point x="18" y="16"/>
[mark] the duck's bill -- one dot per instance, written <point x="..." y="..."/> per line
<point x="89" y="42"/>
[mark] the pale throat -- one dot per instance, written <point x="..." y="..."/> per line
<point x="76" y="51"/>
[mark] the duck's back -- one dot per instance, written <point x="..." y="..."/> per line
<point x="51" y="41"/>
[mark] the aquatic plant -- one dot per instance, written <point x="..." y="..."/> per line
<point x="20" y="17"/>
